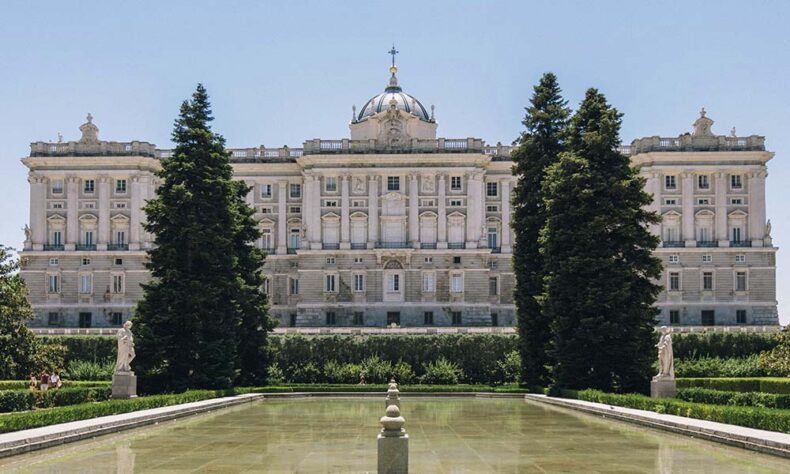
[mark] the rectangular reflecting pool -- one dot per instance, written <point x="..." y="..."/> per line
<point x="447" y="435"/>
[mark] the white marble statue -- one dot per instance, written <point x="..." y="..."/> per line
<point x="125" y="348"/>
<point x="666" y="358"/>
<point x="28" y="233"/>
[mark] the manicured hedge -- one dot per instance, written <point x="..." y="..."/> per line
<point x="724" y="345"/>
<point x="746" y="399"/>
<point x="85" y="348"/>
<point x="26" y="399"/>
<point x="382" y="388"/>
<point x="754" y="384"/>
<point x="20" y="384"/>
<point x="771" y="419"/>
<point x="719" y="367"/>
<point x="34" y="419"/>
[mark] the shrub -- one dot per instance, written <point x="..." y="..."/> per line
<point x="276" y="375"/>
<point x="771" y="419"/>
<point x="718" y="397"/>
<point x="441" y="371"/>
<point x="403" y="373"/>
<point x="304" y="373"/>
<point x="376" y="370"/>
<point x="335" y="372"/>
<point x="49" y="357"/>
<point x="718" y="367"/>
<point x="89" y="370"/>
<point x="20" y="384"/>
<point x="17" y="400"/>
<point x="510" y="367"/>
<point x="776" y="362"/>
<point x="26" y="399"/>
<point x="724" y="345"/>
<point x="726" y="384"/>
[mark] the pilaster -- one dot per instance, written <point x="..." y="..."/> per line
<point x="72" y="212"/>
<point x="721" y="209"/>
<point x="442" y="214"/>
<point x="38" y="211"/>
<point x="373" y="211"/>
<point x="474" y="196"/>
<point x="414" y="211"/>
<point x="282" y="217"/>
<point x="504" y="189"/>
<point x="688" y="209"/>
<point x="757" y="207"/>
<point x="104" y="213"/>
<point x="345" y="222"/>
<point x="136" y="213"/>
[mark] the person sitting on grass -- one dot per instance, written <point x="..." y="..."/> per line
<point x="54" y="379"/>
<point x="33" y="381"/>
<point x="44" y="381"/>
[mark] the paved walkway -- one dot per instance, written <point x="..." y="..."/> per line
<point x="770" y="442"/>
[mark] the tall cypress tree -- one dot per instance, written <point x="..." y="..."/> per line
<point x="601" y="272"/>
<point x="188" y="321"/>
<point x="540" y="146"/>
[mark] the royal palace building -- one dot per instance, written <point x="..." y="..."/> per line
<point x="392" y="225"/>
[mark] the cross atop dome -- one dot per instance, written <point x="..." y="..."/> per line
<point x="393" y="52"/>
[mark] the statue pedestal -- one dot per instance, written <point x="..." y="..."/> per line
<point x="393" y="454"/>
<point x="663" y="387"/>
<point x="124" y="385"/>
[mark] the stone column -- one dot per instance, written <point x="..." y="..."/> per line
<point x="148" y="188"/>
<point x="442" y="214"/>
<point x="414" y="212"/>
<point x="104" y="213"/>
<point x="345" y="221"/>
<point x="653" y="187"/>
<point x="688" y="210"/>
<point x="373" y="211"/>
<point x="474" y="196"/>
<point x="315" y="214"/>
<point x="72" y="212"/>
<point x="721" y="209"/>
<point x="282" y="217"/>
<point x="136" y="213"/>
<point x="757" y="207"/>
<point x="307" y="189"/>
<point x="504" y="189"/>
<point x="250" y="197"/>
<point x="38" y="211"/>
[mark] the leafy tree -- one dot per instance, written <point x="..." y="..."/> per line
<point x="776" y="362"/>
<point x="18" y="346"/>
<point x="188" y="321"/>
<point x="600" y="271"/>
<point x="540" y="146"/>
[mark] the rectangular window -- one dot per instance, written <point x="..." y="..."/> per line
<point x="359" y="283"/>
<point x="456" y="203"/>
<point x="266" y="286"/>
<point x="674" y="281"/>
<point x="492" y="208"/>
<point x="703" y="181"/>
<point x="740" y="316"/>
<point x="330" y="260"/>
<point x="674" y="316"/>
<point x="292" y="320"/>
<point x="708" y="317"/>
<point x="735" y="181"/>
<point x="116" y="318"/>
<point x="393" y="183"/>
<point x="293" y="286"/>
<point x="736" y="234"/>
<point x="57" y="237"/>
<point x="671" y="202"/>
<point x="329" y="283"/>
<point x="707" y="258"/>
<point x="331" y="318"/>
<point x="428" y="260"/>
<point x="428" y="282"/>
<point x="117" y="284"/>
<point x="455" y="183"/>
<point x="53" y="284"/>
<point x="120" y="237"/>
<point x="492" y="189"/>
<point x="494" y="319"/>
<point x="428" y="318"/>
<point x="86" y="284"/>
<point x="457" y="319"/>
<point x="674" y="259"/>
<point x="120" y="186"/>
<point x="736" y="201"/>
<point x="359" y="318"/>
<point x="295" y="210"/>
<point x="57" y="205"/>
<point x="89" y="186"/>
<point x="295" y="239"/>
<point x="296" y="190"/>
<point x="119" y="261"/>
<point x="53" y="262"/>
<point x="456" y="283"/>
<point x="357" y="203"/>
<point x="57" y="186"/>
<point x="456" y="260"/>
<point x="740" y="281"/>
<point x="53" y="319"/>
<point x="267" y="242"/>
<point x="493" y="286"/>
<point x="86" y="262"/>
<point x="330" y="184"/>
<point x="266" y="191"/>
<point x="707" y="281"/>
<point x="330" y="203"/>
<point x="88" y="237"/>
<point x="266" y="210"/>
<point x="670" y="182"/>
<point x="740" y="259"/>
<point x="393" y="282"/>
<point x="86" y="320"/>
<point x="357" y="259"/>
<point x="703" y="202"/>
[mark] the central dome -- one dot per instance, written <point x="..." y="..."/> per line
<point x="402" y="101"/>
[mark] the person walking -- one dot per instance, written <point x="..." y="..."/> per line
<point x="44" y="381"/>
<point x="54" y="380"/>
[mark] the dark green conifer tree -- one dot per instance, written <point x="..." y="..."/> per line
<point x="188" y="320"/>
<point x="600" y="270"/>
<point x="539" y="146"/>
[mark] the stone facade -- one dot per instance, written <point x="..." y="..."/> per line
<point x="390" y="226"/>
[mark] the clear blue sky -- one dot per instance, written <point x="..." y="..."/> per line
<point x="280" y="73"/>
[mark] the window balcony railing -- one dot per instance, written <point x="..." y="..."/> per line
<point x="707" y="243"/>
<point x="330" y="246"/>
<point x="674" y="243"/>
<point x="291" y="251"/>
<point x="392" y="245"/>
<point x="117" y="246"/>
<point x="426" y="245"/>
<point x="456" y="245"/>
<point x="358" y="246"/>
<point x="53" y="247"/>
<point x="740" y="243"/>
<point x="85" y="247"/>
<point x="496" y="249"/>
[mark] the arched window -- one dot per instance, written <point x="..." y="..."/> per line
<point x="670" y="227"/>
<point x="428" y="228"/>
<point x="703" y="227"/>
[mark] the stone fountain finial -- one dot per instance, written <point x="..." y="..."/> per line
<point x="393" y="443"/>
<point x="393" y="394"/>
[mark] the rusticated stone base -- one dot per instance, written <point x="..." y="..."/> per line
<point x="124" y="385"/>
<point x="663" y="387"/>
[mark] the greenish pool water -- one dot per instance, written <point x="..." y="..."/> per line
<point x="447" y="435"/>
